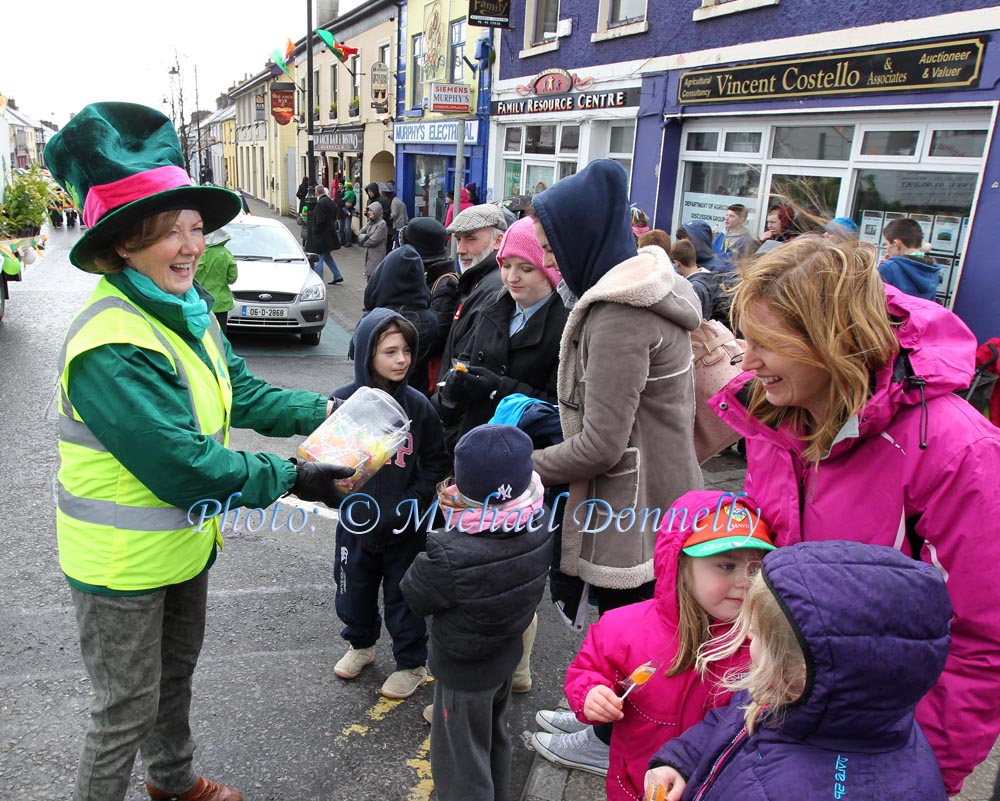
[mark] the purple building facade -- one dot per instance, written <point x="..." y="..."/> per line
<point x="865" y="109"/>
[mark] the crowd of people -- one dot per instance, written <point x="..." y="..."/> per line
<point x="831" y="625"/>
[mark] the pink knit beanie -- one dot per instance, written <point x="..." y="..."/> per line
<point x="520" y="242"/>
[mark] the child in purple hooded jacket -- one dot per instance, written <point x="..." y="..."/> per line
<point x="846" y="639"/>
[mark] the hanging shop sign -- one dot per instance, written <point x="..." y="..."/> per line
<point x="258" y="106"/>
<point x="450" y="97"/>
<point x="283" y="102"/>
<point x="341" y="140"/>
<point x="923" y="67"/>
<point x="489" y="13"/>
<point x="380" y="87"/>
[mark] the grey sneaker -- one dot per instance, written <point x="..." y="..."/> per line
<point x="429" y="713"/>
<point x="353" y="662"/>
<point x="580" y="750"/>
<point x="558" y="721"/>
<point x="404" y="683"/>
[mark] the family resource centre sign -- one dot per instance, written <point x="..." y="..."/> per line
<point x="558" y="90"/>
<point x="935" y="65"/>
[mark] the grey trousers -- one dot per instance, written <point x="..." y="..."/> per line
<point x="140" y="652"/>
<point x="470" y="743"/>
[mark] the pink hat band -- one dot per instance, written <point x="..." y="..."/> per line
<point x="105" y="198"/>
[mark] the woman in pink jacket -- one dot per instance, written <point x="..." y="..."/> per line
<point x="464" y="203"/>
<point x="707" y="548"/>
<point x="853" y="432"/>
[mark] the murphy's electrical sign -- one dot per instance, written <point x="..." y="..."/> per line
<point x="928" y="66"/>
<point x="558" y="90"/>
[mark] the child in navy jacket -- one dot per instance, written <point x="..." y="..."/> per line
<point x="377" y="544"/>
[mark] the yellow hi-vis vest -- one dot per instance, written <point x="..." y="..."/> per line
<point x="112" y="530"/>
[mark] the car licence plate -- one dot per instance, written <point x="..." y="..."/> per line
<point x="266" y="312"/>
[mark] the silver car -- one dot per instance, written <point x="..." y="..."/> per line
<point x="277" y="291"/>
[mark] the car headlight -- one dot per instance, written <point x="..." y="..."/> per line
<point x="314" y="292"/>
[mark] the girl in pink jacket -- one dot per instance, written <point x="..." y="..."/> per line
<point x="708" y="546"/>
<point x="854" y="432"/>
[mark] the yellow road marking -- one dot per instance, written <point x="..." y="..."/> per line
<point x="421" y="764"/>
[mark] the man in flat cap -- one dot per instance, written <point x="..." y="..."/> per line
<point x="478" y="232"/>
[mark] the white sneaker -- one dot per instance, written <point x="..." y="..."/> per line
<point x="558" y="721"/>
<point x="353" y="662"/>
<point x="404" y="683"/>
<point x="429" y="714"/>
<point x="580" y="750"/>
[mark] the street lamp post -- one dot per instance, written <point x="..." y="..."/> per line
<point x="310" y="199"/>
<point x="197" y="111"/>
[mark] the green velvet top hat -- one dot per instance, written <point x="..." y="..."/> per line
<point x="121" y="162"/>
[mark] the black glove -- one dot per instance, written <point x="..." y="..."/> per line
<point x="481" y="383"/>
<point x="314" y="481"/>
<point x="454" y="392"/>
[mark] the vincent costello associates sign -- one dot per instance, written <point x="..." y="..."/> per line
<point x="928" y="66"/>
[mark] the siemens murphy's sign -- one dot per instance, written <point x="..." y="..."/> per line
<point x="935" y="65"/>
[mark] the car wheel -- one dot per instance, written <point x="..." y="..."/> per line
<point x="311" y="337"/>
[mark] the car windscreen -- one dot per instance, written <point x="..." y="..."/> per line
<point x="262" y="243"/>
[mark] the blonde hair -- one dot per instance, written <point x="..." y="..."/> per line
<point x="141" y="234"/>
<point x="777" y="679"/>
<point x="830" y="297"/>
<point x="693" y="622"/>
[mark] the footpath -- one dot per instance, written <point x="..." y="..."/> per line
<point x="546" y="781"/>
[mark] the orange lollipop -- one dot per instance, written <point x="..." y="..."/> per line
<point x="656" y="792"/>
<point x="640" y="676"/>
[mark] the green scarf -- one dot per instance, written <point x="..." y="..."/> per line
<point x="192" y="306"/>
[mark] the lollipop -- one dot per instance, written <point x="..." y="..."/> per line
<point x="640" y="676"/>
<point x="656" y="792"/>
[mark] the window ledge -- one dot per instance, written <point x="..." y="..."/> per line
<point x="631" y="29"/>
<point x="538" y="49"/>
<point x="719" y="9"/>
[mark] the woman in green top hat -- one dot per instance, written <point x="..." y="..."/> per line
<point x="149" y="390"/>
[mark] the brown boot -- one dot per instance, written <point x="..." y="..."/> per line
<point x="203" y="790"/>
<point x="522" y="673"/>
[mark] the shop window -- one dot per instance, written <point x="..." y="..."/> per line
<point x="427" y="177"/>
<point x="813" y="142"/>
<point x="957" y="144"/>
<point x="703" y="141"/>
<point x="743" y="141"/>
<point x="540" y="140"/>
<point x="512" y="139"/>
<point x="622" y="139"/>
<point x="566" y="169"/>
<point x="569" y="139"/>
<point x="939" y="201"/>
<point x="709" y="188"/>
<point x="889" y="143"/>
<point x="511" y="178"/>
<point x="416" y="66"/>
<point x="538" y="178"/>
<point x="457" y="74"/>
<point x="621" y="142"/>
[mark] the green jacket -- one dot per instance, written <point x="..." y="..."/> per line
<point x="216" y="271"/>
<point x="147" y="422"/>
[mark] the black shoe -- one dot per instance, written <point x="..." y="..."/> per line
<point x="336" y="281"/>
